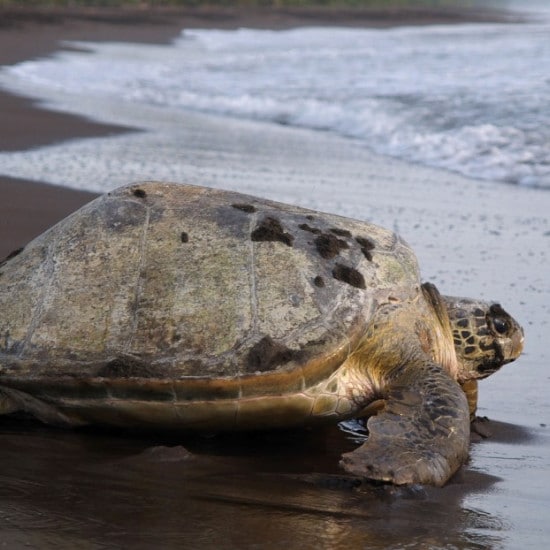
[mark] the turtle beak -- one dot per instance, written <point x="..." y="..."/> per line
<point x="514" y="345"/>
<point x="518" y="340"/>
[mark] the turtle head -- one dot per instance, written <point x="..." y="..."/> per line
<point x="485" y="336"/>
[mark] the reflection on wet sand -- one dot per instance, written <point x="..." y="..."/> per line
<point x="96" y="490"/>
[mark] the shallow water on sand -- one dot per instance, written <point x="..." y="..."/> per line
<point x="97" y="490"/>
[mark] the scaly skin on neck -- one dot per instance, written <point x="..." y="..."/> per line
<point x="402" y="335"/>
<point x="471" y="339"/>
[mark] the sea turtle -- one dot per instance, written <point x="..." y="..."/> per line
<point x="168" y="306"/>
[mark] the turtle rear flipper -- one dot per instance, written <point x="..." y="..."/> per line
<point x="12" y="400"/>
<point x="421" y="435"/>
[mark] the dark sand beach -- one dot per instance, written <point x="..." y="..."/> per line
<point x="96" y="490"/>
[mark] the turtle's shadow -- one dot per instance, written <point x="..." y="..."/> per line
<point x="502" y="432"/>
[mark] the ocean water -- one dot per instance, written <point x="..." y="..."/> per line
<point x="473" y="99"/>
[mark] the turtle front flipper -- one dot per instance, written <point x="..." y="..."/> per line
<point x="420" y="436"/>
<point x="470" y="389"/>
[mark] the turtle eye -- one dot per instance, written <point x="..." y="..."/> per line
<point x="501" y="326"/>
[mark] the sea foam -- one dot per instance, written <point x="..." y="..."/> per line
<point x="469" y="98"/>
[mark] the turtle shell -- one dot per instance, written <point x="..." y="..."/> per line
<point x="164" y="282"/>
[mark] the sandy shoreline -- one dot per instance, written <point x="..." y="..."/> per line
<point x="482" y="239"/>
<point x="50" y="27"/>
<point x="26" y="125"/>
<point x="29" y="208"/>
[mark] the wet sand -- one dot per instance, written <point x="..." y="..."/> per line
<point x="96" y="489"/>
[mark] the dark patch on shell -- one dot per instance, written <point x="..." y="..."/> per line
<point x="128" y="367"/>
<point x="349" y="275"/>
<point x="365" y="243"/>
<point x="12" y="254"/>
<point x="268" y="354"/>
<point x="184" y="237"/>
<point x="319" y="281"/>
<point x="310" y="217"/>
<point x="367" y="254"/>
<point x="366" y="247"/>
<point x="270" y="229"/>
<point x="140" y="193"/>
<point x="121" y="215"/>
<point x="340" y="232"/>
<point x="329" y="246"/>
<point x="248" y="208"/>
<point x="306" y="227"/>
